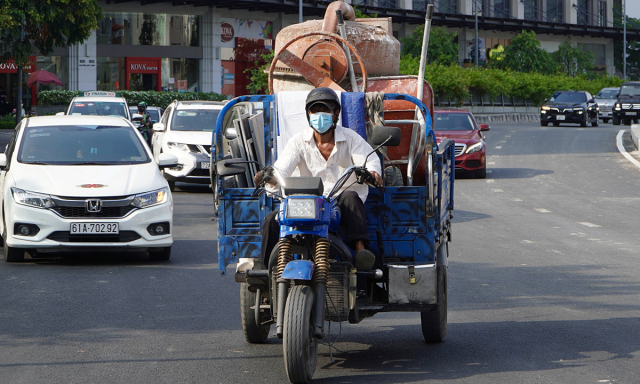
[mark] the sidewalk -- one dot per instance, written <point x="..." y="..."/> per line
<point x="507" y="118"/>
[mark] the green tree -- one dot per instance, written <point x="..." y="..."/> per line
<point x="442" y="49"/>
<point x="525" y="55"/>
<point x="259" y="75"/>
<point x="30" y="26"/>
<point x="572" y="60"/>
<point x="633" y="50"/>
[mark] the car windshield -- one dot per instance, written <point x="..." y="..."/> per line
<point x="630" y="90"/>
<point x="195" y="120"/>
<point x="568" y="97"/>
<point x="154" y="114"/>
<point x="82" y="145"/>
<point x="100" y="108"/>
<point x="453" y="122"/>
<point x="607" y="94"/>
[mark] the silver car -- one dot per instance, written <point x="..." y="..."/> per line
<point x="605" y="99"/>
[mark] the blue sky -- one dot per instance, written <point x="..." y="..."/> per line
<point x="633" y="8"/>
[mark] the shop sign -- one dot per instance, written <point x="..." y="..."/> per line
<point x="10" y="67"/>
<point x="226" y="32"/>
<point x="143" y="67"/>
<point x="182" y="85"/>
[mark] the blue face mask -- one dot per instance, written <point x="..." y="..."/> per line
<point x="321" y="121"/>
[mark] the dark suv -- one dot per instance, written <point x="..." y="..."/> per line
<point x="576" y="107"/>
<point x="627" y="107"/>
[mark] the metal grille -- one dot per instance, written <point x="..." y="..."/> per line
<point x="630" y="106"/>
<point x="66" y="237"/>
<point x="337" y="296"/>
<point x="460" y="148"/>
<point x="106" y="212"/>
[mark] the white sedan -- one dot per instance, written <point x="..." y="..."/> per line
<point x="83" y="183"/>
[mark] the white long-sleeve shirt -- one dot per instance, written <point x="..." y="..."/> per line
<point x="350" y="149"/>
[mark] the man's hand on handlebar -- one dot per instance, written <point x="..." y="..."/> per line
<point x="260" y="178"/>
<point x="377" y="179"/>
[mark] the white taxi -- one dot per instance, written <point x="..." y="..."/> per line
<point x="83" y="183"/>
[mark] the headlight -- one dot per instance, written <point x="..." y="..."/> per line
<point x="545" y="108"/>
<point x="178" y="146"/>
<point x="149" y="199"/>
<point x="301" y="208"/>
<point x="474" y="148"/>
<point x="617" y="107"/>
<point x="32" y="199"/>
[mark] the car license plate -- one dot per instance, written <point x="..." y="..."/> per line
<point x="205" y="165"/>
<point x="630" y="113"/>
<point x="94" y="228"/>
<point x="560" y="117"/>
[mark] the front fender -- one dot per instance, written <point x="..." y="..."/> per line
<point x="299" y="270"/>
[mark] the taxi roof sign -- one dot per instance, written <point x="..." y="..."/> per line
<point x="101" y="93"/>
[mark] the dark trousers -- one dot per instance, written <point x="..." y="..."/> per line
<point x="353" y="225"/>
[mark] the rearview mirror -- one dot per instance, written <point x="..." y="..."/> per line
<point x="381" y="133"/>
<point x="167" y="160"/>
<point x="592" y="101"/>
<point x="230" y="167"/>
<point x="158" y="127"/>
<point x="230" y="133"/>
<point x="484" y="127"/>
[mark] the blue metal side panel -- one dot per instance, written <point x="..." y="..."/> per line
<point x="353" y="117"/>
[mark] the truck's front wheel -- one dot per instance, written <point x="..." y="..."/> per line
<point x="300" y="348"/>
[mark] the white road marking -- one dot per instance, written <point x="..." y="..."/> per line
<point x="623" y="151"/>
<point x="515" y="199"/>
<point x="499" y="147"/>
<point x="503" y="141"/>
<point x="490" y="181"/>
<point x="542" y="210"/>
<point x="489" y="171"/>
<point x="591" y="225"/>
<point x="497" y="190"/>
<point x="491" y="163"/>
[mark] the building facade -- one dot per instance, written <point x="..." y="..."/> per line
<point x="207" y="45"/>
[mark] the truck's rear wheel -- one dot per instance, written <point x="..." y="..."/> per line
<point x="254" y="333"/>
<point x="300" y="348"/>
<point x="434" y="321"/>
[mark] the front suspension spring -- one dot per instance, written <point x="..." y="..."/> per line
<point x="284" y="255"/>
<point x="321" y="273"/>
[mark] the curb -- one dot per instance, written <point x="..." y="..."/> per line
<point x="635" y="135"/>
<point x="510" y="118"/>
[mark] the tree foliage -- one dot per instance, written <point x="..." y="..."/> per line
<point x="525" y="55"/>
<point x="572" y="60"/>
<point x="259" y="75"/>
<point x="633" y="52"/>
<point x="442" y="49"/>
<point x="47" y="24"/>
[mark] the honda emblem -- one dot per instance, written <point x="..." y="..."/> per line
<point x="94" y="205"/>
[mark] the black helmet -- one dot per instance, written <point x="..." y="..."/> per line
<point x="324" y="95"/>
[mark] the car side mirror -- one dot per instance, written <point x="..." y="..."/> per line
<point x="389" y="136"/>
<point x="60" y="114"/>
<point x="592" y="101"/>
<point x="617" y="95"/>
<point x="230" y="133"/>
<point x="3" y="160"/>
<point x="158" y="127"/>
<point x="230" y="167"/>
<point x="545" y="100"/>
<point x="167" y="160"/>
<point x="484" y="127"/>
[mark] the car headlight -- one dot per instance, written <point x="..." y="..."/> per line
<point x="149" y="199"/>
<point x="617" y="107"/>
<point x="301" y="208"/>
<point x="474" y="148"/>
<point x="32" y="199"/>
<point x="178" y="146"/>
<point x="545" y="108"/>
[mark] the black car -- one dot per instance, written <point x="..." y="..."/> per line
<point x="576" y="107"/>
<point x="627" y="107"/>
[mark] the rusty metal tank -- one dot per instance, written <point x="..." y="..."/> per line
<point x="375" y="46"/>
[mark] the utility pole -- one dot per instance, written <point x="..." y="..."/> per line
<point x="19" y="90"/>
<point x="624" y="51"/>
<point x="477" y="45"/>
<point x="300" y="12"/>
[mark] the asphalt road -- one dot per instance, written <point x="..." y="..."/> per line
<point x="544" y="283"/>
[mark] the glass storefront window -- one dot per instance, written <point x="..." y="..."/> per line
<point x="176" y="75"/>
<point x="59" y="66"/>
<point x="149" y="29"/>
